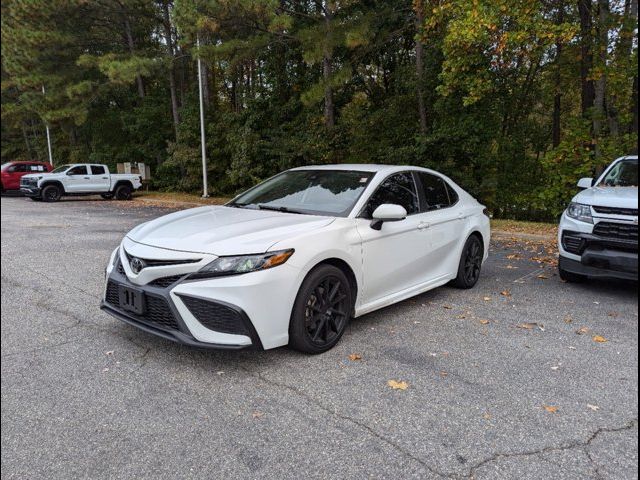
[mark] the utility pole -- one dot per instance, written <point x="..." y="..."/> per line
<point x="205" y="193"/>
<point x="46" y="125"/>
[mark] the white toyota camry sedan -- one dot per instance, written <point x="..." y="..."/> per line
<point x="291" y="260"/>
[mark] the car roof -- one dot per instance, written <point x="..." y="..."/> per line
<point x="361" y="167"/>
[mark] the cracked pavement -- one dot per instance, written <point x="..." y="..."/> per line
<point x="86" y="396"/>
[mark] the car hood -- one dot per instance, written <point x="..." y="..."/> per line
<point x="617" y="197"/>
<point x="224" y="230"/>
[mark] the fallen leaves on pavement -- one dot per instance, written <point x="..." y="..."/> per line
<point x="355" y="356"/>
<point x="531" y="326"/>
<point x="583" y="330"/>
<point x="550" y="408"/>
<point x="505" y="293"/>
<point x="398" y="385"/>
<point x="599" y="339"/>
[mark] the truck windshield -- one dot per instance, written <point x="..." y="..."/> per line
<point x="623" y="174"/>
<point x="311" y="192"/>
<point x="60" y="169"/>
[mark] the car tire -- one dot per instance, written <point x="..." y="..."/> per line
<point x="51" y="193"/>
<point x="470" y="263"/>
<point x="322" y="310"/>
<point x="123" y="192"/>
<point x="107" y="196"/>
<point x="570" y="277"/>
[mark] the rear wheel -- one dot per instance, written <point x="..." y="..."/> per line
<point x="123" y="192"/>
<point x="470" y="263"/>
<point x="321" y="311"/>
<point x="51" y="193"/>
<point x="570" y="277"/>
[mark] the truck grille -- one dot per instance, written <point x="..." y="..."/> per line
<point x="157" y="313"/>
<point x="618" y="231"/>
<point x="215" y="316"/>
<point x="631" y="212"/>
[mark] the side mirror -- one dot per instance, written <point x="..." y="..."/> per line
<point x="387" y="212"/>
<point x="70" y="173"/>
<point x="585" y="183"/>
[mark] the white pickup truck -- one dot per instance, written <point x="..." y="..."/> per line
<point x="79" y="179"/>
<point x="598" y="235"/>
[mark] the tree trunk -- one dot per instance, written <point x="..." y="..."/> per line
<point x="586" y="56"/>
<point x="171" y="75"/>
<point x="599" y="114"/>
<point x="422" y="111"/>
<point x="132" y="49"/>
<point x="327" y="68"/>
<point x="557" y="99"/>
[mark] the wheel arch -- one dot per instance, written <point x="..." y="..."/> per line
<point x="57" y="183"/>
<point x="119" y="183"/>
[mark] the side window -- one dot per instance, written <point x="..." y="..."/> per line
<point x="399" y="189"/>
<point x="20" y="167"/>
<point x="453" y="195"/>
<point x="97" y="170"/>
<point x="36" y="168"/>
<point x="435" y="192"/>
<point x="79" y="170"/>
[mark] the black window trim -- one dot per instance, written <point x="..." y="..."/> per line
<point x="423" y="198"/>
<point x="415" y="184"/>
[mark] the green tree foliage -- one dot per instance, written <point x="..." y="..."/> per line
<point x="514" y="99"/>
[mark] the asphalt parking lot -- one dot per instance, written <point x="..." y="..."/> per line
<point x="539" y="381"/>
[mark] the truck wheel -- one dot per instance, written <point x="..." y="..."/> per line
<point x="51" y="193"/>
<point x="107" y="196"/>
<point x="570" y="277"/>
<point x="123" y="192"/>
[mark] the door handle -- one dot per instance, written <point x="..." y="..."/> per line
<point x="87" y="178"/>
<point x="423" y="225"/>
<point x="105" y="178"/>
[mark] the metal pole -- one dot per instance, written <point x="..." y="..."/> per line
<point x="46" y="125"/>
<point x="202" y="130"/>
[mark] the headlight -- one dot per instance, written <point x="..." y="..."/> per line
<point x="243" y="264"/>
<point x="580" y="212"/>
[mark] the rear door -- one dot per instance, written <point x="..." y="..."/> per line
<point x="99" y="181"/>
<point x="14" y="174"/>
<point x="444" y="223"/>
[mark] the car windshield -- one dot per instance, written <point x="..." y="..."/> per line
<point x="312" y="192"/>
<point x="622" y="174"/>
<point x="60" y="169"/>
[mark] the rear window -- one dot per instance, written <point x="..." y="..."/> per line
<point x="97" y="170"/>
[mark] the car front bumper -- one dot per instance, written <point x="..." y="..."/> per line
<point x="251" y="310"/>
<point x="30" y="191"/>
<point x="584" y="252"/>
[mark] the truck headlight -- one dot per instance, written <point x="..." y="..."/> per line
<point x="236" y="265"/>
<point x="580" y="212"/>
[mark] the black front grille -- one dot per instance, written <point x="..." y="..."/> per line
<point x="216" y="316"/>
<point x="572" y="243"/>
<point x="165" y="282"/>
<point x="157" y="313"/>
<point x="28" y="182"/>
<point x="162" y="263"/>
<point x="631" y="212"/>
<point x="120" y="268"/>
<point x="618" y="231"/>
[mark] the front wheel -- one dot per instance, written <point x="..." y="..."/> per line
<point x="51" y="193"/>
<point x="321" y="311"/>
<point x="470" y="263"/>
<point x="570" y="277"/>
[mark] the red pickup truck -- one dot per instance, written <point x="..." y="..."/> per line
<point x="12" y="172"/>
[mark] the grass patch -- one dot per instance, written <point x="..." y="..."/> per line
<point x="531" y="228"/>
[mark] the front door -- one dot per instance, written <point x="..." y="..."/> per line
<point x="77" y="179"/>
<point x="393" y="257"/>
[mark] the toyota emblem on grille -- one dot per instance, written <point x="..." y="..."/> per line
<point x="137" y="264"/>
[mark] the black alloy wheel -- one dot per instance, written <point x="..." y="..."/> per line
<point x="123" y="192"/>
<point x="322" y="310"/>
<point x="51" y="193"/>
<point x="470" y="263"/>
